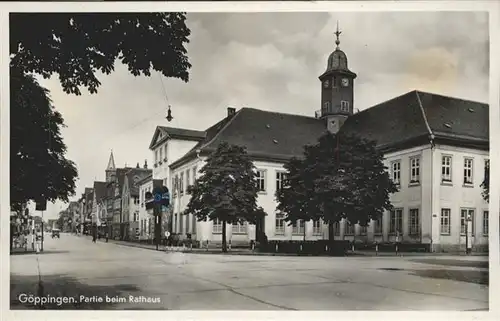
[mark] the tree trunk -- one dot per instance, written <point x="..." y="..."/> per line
<point x="331" y="237"/>
<point x="224" y="245"/>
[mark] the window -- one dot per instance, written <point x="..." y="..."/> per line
<point x="344" y="106"/>
<point x="486" y="217"/>
<point x="336" y="228"/>
<point x="414" y="223"/>
<point x="280" y="178"/>
<point x="188" y="180"/>
<point x="396" y="172"/>
<point x="181" y="183"/>
<point x="156" y="156"/>
<point x="414" y="170"/>
<point x="326" y="107"/>
<point x="317" y="227"/>
<point x="261" y="180"/>
<point x="160" y="160"/>
<point x="468" y="163"/>
<point x="445" y="221"/>
<point x="240" y="228"/>
<point x="446" y="169"/>
<point x="378" y="226"/>
<point x="349" y="228"/>
<point x="195" y="171"/>
<point x="165" y="153"/>
<point x="396" y="222"/>
<point x="363" y="230"/>
<point x="334" y="82"/>
<point x="466" y="213"/>
<point x="217" y="226"/>
<point x="298" y="227"/>
<point x="280" y="223"/>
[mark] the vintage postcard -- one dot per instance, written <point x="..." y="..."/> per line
<point x="335" y="157"/>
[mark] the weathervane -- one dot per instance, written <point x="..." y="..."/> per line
<point x="337" y="33"/>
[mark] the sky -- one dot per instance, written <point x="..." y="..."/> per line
<point x="271" y="61"/>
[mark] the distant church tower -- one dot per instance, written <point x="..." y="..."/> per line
<point x="337" y="89"/>
<point x="111" y="169"/>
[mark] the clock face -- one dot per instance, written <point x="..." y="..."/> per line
<point x="326" y="84"/>
<point x="345" y="82"/>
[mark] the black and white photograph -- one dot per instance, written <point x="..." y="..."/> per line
<point x="332" y="160"/>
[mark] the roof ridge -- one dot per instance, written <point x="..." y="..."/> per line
<point x="278" y="112"/>
<point x="424" y="116"/>
<point x="451" y="97"/>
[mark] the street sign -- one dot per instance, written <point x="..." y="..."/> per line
<point x="41" y="205"/>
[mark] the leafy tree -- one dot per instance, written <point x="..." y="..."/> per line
<point x="340" y="177"/>
<point x="37" y="163"/>
<point x="485" y="185"/>
<point x="76" y="47"/>
<point x="226" y="190"/>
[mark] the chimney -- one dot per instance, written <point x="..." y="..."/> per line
<point x="231" y="111"/>
<point x="137" y="166"/>
<point x="145" y="164"/>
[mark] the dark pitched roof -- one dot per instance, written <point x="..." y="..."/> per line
<point x="411" y="117"/>
<point x="414" y="116"/>
<point x="265" y="134"/>
<point x="175" y="133"/>
<point x="140" y="173"/>
<point x="100" y="190"/>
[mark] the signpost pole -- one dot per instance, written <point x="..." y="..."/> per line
<point x="42" y="234"/>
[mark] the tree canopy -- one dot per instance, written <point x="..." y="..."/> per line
<point x="340" y="177"/>
<point x="38" y="167"/>
<point x="78" y="47"/>
<point x="226" y="190"/>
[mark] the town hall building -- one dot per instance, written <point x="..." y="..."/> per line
<point x="436" y="149"/>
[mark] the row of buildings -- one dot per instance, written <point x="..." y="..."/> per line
<point x="436" y="149"/>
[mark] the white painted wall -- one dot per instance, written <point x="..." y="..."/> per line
<point x="457" y="195"/>
<point x="146" y="186"/>
<point x="175" y="149"/>
<point x="429" y="196"/>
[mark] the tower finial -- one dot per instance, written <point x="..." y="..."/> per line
<point x="337" y="33"/>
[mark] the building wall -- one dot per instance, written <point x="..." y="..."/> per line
<point x="185" y="223"/>
<point x="175" y="149"/>
<point x="456" y="195"/>
<point x="144" y="216"/>
<point x="428" y="197"/>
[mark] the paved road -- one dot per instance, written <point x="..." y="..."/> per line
<point x="121" y="277"/>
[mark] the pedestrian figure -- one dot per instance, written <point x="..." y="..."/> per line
<point x="106" y="237"/>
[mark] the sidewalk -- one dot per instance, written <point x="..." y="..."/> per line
<point x="242" y="251"/>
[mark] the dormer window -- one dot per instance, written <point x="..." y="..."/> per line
<point x="344" y="106"/>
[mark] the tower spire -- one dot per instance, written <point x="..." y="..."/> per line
<point x="111" y="162"/>
<point x="337" y="33"/>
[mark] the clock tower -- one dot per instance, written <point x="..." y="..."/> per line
<point x="337" y="89"/>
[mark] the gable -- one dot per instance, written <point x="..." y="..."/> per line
<point x="158" y="136"/>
